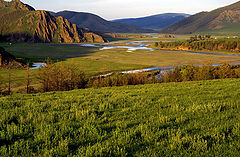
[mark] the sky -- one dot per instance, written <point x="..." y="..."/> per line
<point x="117" y="9"/>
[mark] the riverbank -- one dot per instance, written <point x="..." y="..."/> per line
<point x="102" y="59"/>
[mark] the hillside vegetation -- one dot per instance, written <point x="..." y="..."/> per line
<point x="174" y="119"/>
<point x="230" y="45"/>
<point x="222" y="20"/>
<point x="21" y="24"/>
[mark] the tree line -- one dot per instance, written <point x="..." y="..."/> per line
<point x="197" y="43"/>
<point x="64" y="77"/>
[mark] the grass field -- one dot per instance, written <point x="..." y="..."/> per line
<point x="94" y="61"/>
<point x="112" y="59"/>
<point x="173" y="119"/>
<point x="38" y="52"/>
<point x="159" y="58"/>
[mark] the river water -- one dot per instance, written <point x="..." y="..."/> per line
<point x="141" y="46"/>
<point x="37" y="65"/>
<point x="138" y="45"/>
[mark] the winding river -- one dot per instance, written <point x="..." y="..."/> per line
<point x="138" y="45"/>
<point x="141" y="46"/>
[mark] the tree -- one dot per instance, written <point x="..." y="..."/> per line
<point x="28" y="81"/>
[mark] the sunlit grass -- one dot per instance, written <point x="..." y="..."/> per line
<point x="187" y="119"/>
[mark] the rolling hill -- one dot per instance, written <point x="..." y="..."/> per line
<point x="96" y="23"/>
<point x="21" y="23"/>
<point x="173" y="119"/>
<point x="222" y="20"/>
<point x="155" y="22"/>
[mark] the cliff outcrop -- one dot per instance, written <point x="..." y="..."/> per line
<point x="21" y="23"/>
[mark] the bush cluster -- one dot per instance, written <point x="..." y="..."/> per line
<point x="178" y="74"/>
<point x="64" y="77"/>
<point x="122" y="80"/>
<point x="209" y="44"/>
<point x="61" y="77"/>
<point x="198" y="73"/>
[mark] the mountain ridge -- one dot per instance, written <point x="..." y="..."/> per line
<point x="156" y="22"/>
<point x="16" y="4"/>
<point x="22" y="23"/>
<point x="97" y="23"/>
<point x="224" y="19"/>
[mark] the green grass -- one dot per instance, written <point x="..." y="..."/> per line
<point x="113" y="59"/>
<point x="159" y="58"/>
<point x="94" y="66"/>
<point x="18" y="80"/>
<point x="38" y="52"/>
<point x="174" y="119"/>
<point x="93" y="61"/>
<point x="228" y="30"/>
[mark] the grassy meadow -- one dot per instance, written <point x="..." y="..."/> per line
<point x="172" y="119"/>
<point x="94" y="61"/>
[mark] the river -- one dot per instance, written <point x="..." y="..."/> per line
<point x="138" y="45"/>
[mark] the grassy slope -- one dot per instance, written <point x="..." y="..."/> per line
<point x="201" y="22"/>
<point x="228" y="30"/>
<point x="197" y="118"/>
<point x="9" y="20"/>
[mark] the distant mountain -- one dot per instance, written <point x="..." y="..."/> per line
<point x="226" y="19"/>
<point x="155" y="22"/>
<point x="20" y="22"/>
<point x="96" y="23"/>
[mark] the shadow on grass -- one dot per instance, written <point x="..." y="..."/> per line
<point x="39" y="52"/>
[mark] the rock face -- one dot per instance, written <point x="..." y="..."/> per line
<point x="226" y="19"/>
<point x="21" y="23"/>
<point x="5" y="57"/>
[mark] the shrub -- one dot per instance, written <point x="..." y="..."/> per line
<point x="178" y="74"/>
<point x="203" y="43"/>
<point x="61" y="77"/>
<point x="1" y="84"/>
<point x="123" y="79"/>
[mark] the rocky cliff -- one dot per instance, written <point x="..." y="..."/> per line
<point x="21" y="23"/>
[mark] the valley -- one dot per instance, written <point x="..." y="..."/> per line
<point x="116" y="56"/>
<point x="75" y="83"/>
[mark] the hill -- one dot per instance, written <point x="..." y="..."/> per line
<point x="155" y="22"/>
<point x="225" y="19"/>
<point x="21" y="23"/>
<point x="96" y="23"/>
<point x="191" y="119"/>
